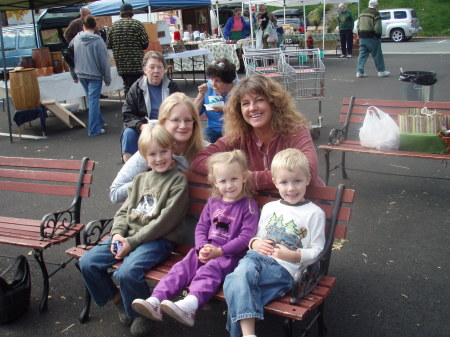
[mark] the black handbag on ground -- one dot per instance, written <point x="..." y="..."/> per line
<point x="15" y="289"/>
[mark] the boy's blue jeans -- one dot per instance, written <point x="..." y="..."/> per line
<point x="130" y="275"/>
<point x="256" y="281"/>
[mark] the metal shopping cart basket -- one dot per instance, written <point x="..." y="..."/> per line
<point x="308" y="77"/>
<point x="267" y="62"/>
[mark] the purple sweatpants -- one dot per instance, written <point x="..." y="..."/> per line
<point x="204" y="279"/>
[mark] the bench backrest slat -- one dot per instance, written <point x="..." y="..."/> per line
<point x="44" y="189"/>
<point x="45" y="175"/>
<point x="59" y="164"/>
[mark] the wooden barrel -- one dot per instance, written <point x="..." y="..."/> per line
<point x="56" y="56"/>
<point x="25" y="92"/>
<point x="26" y="62"/>
<point x="41" y="57"/>
<point x="57" y="66"/>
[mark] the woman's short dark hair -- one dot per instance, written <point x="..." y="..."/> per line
<point x="89" y="22"/>
<point x="154" y="55"/>
<point x="223" y="69"/>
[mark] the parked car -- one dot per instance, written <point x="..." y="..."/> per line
<point x="18" y="41"/>
<point x="398" y="24"/>
<point x="293" y="17"/>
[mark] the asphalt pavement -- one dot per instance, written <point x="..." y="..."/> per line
<point x="392" y="272"/>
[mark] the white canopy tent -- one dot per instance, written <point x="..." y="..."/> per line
<point x="284" y="4"/>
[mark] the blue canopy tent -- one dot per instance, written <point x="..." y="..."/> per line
<point x="111" y="7"/>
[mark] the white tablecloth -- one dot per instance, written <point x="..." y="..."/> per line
<point x="187" y="57"/>
<point x="60" y="87"/>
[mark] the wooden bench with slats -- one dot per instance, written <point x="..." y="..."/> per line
<point x="34" y="177"/>
<point x="312" y="287"/>
<point x="353" y="111"/>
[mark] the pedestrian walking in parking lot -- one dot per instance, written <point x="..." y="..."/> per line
<point x="346" y="22"/>
<point x="369" y="32"/>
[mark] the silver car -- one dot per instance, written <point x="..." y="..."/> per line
<point x="399" y="24"/>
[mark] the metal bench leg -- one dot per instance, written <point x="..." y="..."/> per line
<point x="287" y="327"/>
<point x="84" y="315"/>
<point x="320" y="321"/>
<point x="344" y="173"/>
<point x="39" y="257"/>
<point x="327" y="172"/>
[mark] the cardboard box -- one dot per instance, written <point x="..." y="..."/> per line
<point x="156" y="46"/>
<point x="152" y="31"/>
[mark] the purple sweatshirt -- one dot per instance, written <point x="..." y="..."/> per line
<point x="229" y="225"/>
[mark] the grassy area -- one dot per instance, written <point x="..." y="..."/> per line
<point x="433" y="14"/>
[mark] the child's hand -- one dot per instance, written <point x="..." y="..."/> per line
<point x="209" y="252"/>
<point x="116" y="237"/>
<point x="263" y="247"/>
<point x="283" y="253"/>
<point x="124" y="251"/>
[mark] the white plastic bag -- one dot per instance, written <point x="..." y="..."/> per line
<point x="258" y="38"/>
<point x="379" y="130"/>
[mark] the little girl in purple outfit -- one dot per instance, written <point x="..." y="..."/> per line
<point x="226" y="225"/>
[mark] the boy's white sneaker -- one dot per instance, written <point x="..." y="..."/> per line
<point x="174" y="311"/>
<point x="341" y="56"/>
<point x="361" y="75"/>
<point x="147" y="309"/>
<point x="384" y="73"/>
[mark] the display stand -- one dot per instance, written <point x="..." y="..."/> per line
<point x="61" y="112"/>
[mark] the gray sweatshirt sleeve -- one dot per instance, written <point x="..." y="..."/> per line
<point x="118" y="191"/>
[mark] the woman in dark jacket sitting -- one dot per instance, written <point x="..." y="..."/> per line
<point x="143" y="100"/>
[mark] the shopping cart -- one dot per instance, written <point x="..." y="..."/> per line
<point x="308" y="77"/>
<point x="300" y="71"/>
<point x="267" y="62"/>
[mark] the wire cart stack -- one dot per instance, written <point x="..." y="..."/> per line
<point x="267" y="62"/>
<point x="300" y="71"/>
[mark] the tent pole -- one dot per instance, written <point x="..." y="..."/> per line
<point x="323" y="26"/>
<point x="5" y="77"/>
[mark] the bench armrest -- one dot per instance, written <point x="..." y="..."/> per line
<point x="337" y="136"/>
<point x="58" y="223"/>
<point x="95" y="231"/>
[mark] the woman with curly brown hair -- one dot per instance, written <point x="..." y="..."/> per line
<point x="260" y="118"/>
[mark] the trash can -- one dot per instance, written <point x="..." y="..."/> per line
<point x="417" y="85"/>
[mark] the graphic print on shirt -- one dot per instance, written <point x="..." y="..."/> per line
<point x="286" y="233"/>
<point x="221" y="224"/>
<point x="146" y="206"/>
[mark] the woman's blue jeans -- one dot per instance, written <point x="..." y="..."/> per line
<point x="129" y="141"/>
<point x="256" y="281"/>
<point x="93" y="89"/>
<point x="130" y="275"/>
